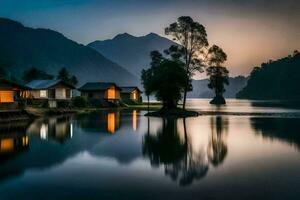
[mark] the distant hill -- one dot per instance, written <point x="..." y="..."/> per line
<point x="200" y="89"/>
<point x="22" y="48"/>
<point x="278" y="79"/>
<point x="131" y="52"/>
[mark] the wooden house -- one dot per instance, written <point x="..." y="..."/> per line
<point x="53" y="91"/>
<point x="11" y="95"/>
<point x="101" y="91"/>
<point x="131" y="94"/>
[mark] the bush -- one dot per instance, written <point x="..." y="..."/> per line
<point x="79" y="102"/>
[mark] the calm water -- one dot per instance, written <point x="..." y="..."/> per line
<point x="123" y="154"/>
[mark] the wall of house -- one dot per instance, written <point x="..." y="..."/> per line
<point x="6" y="96"/>
<point x="36" y="94"/>
<point x="93" y="94"/>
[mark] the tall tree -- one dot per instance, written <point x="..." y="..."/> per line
<point x="64" y="75"/>
<point x="218" y="75"/>
<point x="192" y="39"/>
<point x="35" y="74"/>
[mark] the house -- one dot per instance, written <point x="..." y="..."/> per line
<point x="131" y="93"/>
<point x="11" y="95"/>
<point x="52" y="91"/>
<point x="101" y="91"/>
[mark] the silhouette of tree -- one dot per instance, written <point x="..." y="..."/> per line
<point x="218" y="75"/>
<point x="64" y="75"/>
<point x="180" y="161"/>
<point x="166" y="79"/>
<point x="192" y="39"/>
<point x="35" y="74"/>
<point x="217" y="148"/>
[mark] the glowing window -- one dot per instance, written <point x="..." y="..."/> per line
<point x="43" y="93"/>
<point x="7" y="145"/>
<point x="111" y="122"/>
<point x="111" y="93"/>
<point x="6" y="96"/>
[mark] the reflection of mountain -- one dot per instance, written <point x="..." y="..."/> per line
<point x="178" y="157"/>
<point x="286" y="129"/>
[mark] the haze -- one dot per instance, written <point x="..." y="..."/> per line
<point x="251" y="32"/>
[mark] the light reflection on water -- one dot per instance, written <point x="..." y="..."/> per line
<point x="117" y="154"/>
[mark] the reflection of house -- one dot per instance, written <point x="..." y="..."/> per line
<point x="130" y="93"/>
<point x="10" y="94"/>
<point x="100" y="91"/>
<point x="57" y="128"/>
<point x="106" y="121"/>
<point x="50" y="90"/>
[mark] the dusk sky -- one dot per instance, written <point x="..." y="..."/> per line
<point x="250" y="32"/>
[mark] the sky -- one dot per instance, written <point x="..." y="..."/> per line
<point x="250" y="32"/>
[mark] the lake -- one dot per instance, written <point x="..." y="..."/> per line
<point x="125" y="155"/>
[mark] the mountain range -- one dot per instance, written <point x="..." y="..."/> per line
<point x="22" y="48"/>
<point x="130" y="51"/>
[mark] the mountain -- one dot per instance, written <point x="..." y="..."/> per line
<point x="22" y="48"/>
<point x="131" y="52"/>
<point x="200" y="89"/>
<point x="278" y="79"/>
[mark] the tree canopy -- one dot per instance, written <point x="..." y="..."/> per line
<point x="192" y="39"/>
<point x="64" y="75"/>
<point x="165" y="79"/>
<point x="35" y="74"/>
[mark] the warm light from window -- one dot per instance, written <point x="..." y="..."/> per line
<point x="111" y="122"/>
<point x="134" y="120"/>
<point x="6" y="96"/>
<point x="7" y="145"/>
<point x="43" y="93"/>
<point x="25" y="141"/>
<point x="134" y="95"/>
<point x="111" y="93"/>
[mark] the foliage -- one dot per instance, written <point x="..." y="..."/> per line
<point x="274" y="80"/>
<point x="166" y="79"/>
<point x="79" y="102"/>
<point x="64" y="75"/>
<point x="218" y="75"/>
<point x="35" y="74"/>
<point x="192" y="39"/>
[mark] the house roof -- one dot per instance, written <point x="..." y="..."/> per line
<point x="12" y="84"/>
<point x="45" y="84"/>
<point x="94" y="86"/>
<point x="129" y="89"/>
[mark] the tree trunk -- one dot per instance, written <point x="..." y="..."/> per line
<point x="184" y="97"/>
<point x="148" y="103"/>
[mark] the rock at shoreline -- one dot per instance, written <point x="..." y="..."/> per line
<point x="218" y="100"/>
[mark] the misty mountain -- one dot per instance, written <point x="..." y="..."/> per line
<point x="200" y="89"/>
<point x="22" y="48"/>
<point x="132" y="52"/>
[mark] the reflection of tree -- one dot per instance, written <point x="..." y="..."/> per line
<point x="284" y="129"/>
<point x="217" y="148"/>
<point x="180" y="160"/>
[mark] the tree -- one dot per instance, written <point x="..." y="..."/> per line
<point x="192" y="39"/>
<point x="166" y="79"/>
<point x="64" y="75"/>
<point x="35" y="74"/>
<point x="218" y="75"/>
<point x="156" y="59"/>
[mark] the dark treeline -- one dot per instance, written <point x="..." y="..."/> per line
<point x="278" y="79"/>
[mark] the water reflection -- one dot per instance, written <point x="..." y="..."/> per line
<point x="217" y="148"/>
<point x="284" y="129"/>
<point x="59" y="129"/>
<point x="182" y="161"/>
